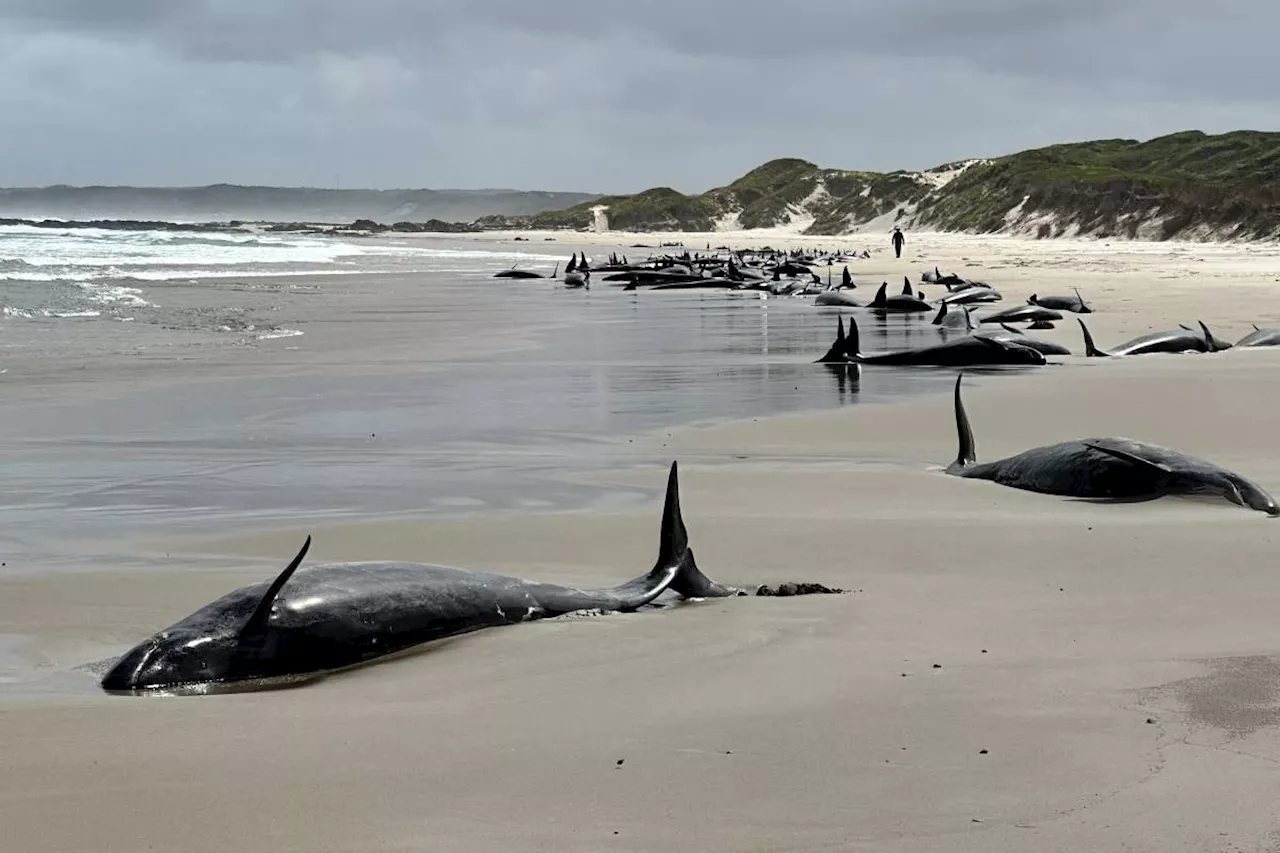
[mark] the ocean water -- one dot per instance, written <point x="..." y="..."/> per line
<point x="484" y="431"/>
<point x="66" y="290"/>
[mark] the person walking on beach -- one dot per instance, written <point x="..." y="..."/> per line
<point x="898" y="240"/>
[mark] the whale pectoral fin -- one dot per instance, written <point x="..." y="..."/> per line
<point x="1131" y="458"/>
<point x="1232" y="493"/>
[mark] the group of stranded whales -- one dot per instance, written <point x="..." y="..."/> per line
<point x="769" y="271"/>
<point x="311" y="622"/>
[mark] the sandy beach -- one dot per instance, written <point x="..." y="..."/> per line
<point x="1007" y="672"/>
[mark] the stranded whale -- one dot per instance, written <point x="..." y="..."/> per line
<point x="1260" y="338"/>
<point x="1108" y="468"/>
<point x="970" y="350"/>
<point x="1175" y="340"/>
<point x="330" y="617"/>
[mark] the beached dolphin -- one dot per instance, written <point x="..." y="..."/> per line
<point x="1181" y="339"/>
<point x="936" y="277"/>
<point x="1009" y="333"/>
<point x="1107" y="468"/>
<point x="899" y="303"/>
<point x="971" y="350"/>
<point x="330" y="617"/>
<point x="1074" y="304"/>
<point x="948" y="319"/>
<point x="972" y="295"/>
<point x="516" y="273"/>
<point x="579" y="275"/>
<point x="1022" y="314"/>
<point x="837" y="298"/>
<point x="1260" y="338"/>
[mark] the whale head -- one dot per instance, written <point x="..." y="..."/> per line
<point x="1254" y="496"/>
<point x="177" y="660"/>
<point x="229" y="640"/>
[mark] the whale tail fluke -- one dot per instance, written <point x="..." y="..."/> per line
<point x="674" y="550"/>
<point x="1089" y="348"/>
<point x="967" y="454"/>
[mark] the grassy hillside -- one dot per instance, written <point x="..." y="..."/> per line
<point x="1188" y="185"/>
<point x="1185" y="184"/>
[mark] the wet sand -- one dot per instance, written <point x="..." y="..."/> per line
<point x="1010" y="671"/>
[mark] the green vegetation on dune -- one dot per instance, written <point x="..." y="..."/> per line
<point x="1184" y="184"/>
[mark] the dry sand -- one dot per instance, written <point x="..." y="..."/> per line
<point x="1010" y="671"/>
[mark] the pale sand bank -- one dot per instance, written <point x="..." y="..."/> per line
<point x="756" y="724"/>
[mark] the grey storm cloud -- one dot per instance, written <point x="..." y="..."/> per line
<point x="603" y="95"/>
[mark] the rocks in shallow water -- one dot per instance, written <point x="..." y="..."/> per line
<point x="789" y="588"/>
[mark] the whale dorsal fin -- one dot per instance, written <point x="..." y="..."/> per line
<point x="967" y="453"/>
<point x="1212" y="343"/>
<point x="1090" y="349"/>
<point x="257" y="621"/>
<point x="1125" y="455"/>
<point x="880" y="294"/>
<point x="674" y="541"/>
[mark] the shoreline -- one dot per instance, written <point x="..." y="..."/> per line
<point x="1059" y="627"/>
<point x="1009" y="670"/>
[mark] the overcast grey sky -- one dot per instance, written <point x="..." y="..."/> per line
<point x="601" y="95"/>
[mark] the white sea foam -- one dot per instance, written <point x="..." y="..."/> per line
<point x="278" y="333"/>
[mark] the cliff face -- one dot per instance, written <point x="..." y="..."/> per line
<point x="1186" y="185"/>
